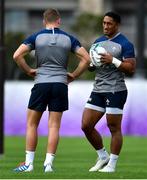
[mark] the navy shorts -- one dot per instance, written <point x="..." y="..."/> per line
<point x="111" y="103"/>
<point x="53" y="95"/>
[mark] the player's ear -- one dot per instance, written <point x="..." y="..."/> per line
<point x="117" y="25"/>
<point x="59" y="21"/>
<point x="44" y="23"/>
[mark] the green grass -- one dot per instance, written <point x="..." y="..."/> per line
<point x="74" y="157"/>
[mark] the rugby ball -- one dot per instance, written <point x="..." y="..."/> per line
<point x="95" y="56"/>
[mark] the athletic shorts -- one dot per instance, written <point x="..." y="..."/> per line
<point x="111" y="103"/>
<point x="51" y="95"/>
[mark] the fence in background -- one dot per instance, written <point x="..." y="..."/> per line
<point x="134" y="120"/>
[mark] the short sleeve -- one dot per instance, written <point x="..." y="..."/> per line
<point x="30" y="41"/>
<point x="128" y="51"/>
<point x="75" y="44"/>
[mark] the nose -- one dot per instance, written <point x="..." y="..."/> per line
<point x="105" y="26"/>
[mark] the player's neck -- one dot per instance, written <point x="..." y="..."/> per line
<point x="113" y="35"/>
<point x="51" y="26"/>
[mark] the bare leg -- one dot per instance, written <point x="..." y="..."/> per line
<point x="33" y="119"/>
<point x="89" y="120"/>
<point x="53" y="136"/>
<point x="114" y="124"/>
<point x="53" y="139"/>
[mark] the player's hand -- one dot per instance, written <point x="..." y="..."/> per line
<point x="106" y="58"/>
<point x="32" y="72"/>
<point x="70" y="77"/>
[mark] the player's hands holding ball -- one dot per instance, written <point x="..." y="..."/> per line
<point x="99" y="56"/>
<point x="106" y="58"/>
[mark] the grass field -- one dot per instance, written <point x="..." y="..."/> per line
<point x="74" y="157"/>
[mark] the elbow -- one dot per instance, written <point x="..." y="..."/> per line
<point x="130" y="72"/>
<point x="15" y="57"/>
<point x="128" y="68"/>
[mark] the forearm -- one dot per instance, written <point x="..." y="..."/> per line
<point x="23" y="65"/>
<point x="127" y="66"/>
<point x="84" y="59"/>
<point x="20" y="60"/>
<point x="83" y="65"/>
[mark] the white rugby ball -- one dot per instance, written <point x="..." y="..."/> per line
<point x="95" y="56"/>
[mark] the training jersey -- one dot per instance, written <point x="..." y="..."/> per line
<point x="52" y="48"/>
<point x="109" y="78"/>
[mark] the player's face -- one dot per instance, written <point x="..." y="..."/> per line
<point x="110" y="27"/>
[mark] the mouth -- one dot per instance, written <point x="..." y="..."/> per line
<point x="106" y="31"/>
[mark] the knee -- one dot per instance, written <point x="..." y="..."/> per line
<point x="31" y="125"/>
<point x="86" y="128"/>
<point x="113" y="128"/>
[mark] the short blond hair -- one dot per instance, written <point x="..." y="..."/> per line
<point x="51" y="15"/>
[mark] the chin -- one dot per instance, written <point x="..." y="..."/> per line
<point x="106" y="34"/>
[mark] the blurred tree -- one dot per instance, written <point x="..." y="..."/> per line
<point x="145" y="68"/>
<point x="12" y="41"/>
<point x="87" y="27"/>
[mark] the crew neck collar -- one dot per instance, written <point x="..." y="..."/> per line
<point x="114" y="36"/>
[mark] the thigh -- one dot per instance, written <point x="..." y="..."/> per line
<point x="58" y="98"/>
<point x="33" y="117"/>
<point x="91" y="117"/>
<point x="55" y="119"/>
<point x="114" y="120"/>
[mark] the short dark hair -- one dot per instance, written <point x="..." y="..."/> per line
<point x="51" y="15"/>
<point x="115" y="16"/>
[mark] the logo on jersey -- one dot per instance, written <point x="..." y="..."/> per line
<point x="114" y="48"/>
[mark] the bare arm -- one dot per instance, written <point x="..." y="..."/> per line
<point x="84" y="59"/>
<point x="127" y="65"/>
<point x="20" y="60"/>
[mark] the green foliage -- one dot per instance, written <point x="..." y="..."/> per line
<point x="88" y="25"/>
<point x="145" y="67"/>
<point x="12" y="42"/>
